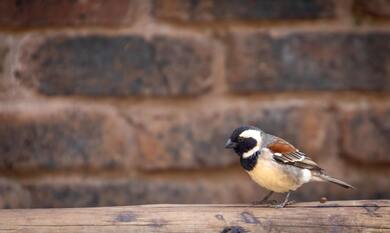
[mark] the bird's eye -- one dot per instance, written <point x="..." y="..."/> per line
<point x="240" y="140"/>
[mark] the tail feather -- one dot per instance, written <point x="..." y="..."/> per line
<point x="325" y="177"/>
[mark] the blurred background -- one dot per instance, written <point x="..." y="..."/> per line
<point x="130" y="102"/>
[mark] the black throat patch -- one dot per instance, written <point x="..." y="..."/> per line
<point x="250" y="162"/>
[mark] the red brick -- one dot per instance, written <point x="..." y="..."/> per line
<point x="365" y="132"/>
<point x="4" y="49"/>
<point x="221" y="10"/>
<point x="51" y="137"/>
<point x="308" y="61"/>
<point x="131" y="192"/>
<point x="13" y="195"/>
<point x="373" y="8"/>
<point x="218" y="188"/>
<point x="116" y="66"/>
<point x="173" y="140"/>
<point x="18" y="14"/>
<point x="5" y="79"/>
<point x="180" y="139"/>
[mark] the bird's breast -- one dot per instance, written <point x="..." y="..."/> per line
<point x="273" y="176"/>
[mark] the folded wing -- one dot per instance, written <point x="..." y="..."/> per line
<point x="285" y="153"/>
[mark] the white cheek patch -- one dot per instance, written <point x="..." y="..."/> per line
<point x="251" y="152"/>
<point x="251" y="133"/>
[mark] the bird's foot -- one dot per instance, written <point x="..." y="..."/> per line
<point x="283" y="204"/>
<point x="262" y="202"/>
<point x="291" y="202"/>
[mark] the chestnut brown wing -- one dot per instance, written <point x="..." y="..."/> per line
<point x="284" y="152"/>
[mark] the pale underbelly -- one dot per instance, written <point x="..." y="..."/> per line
<point x="272" y="177"/>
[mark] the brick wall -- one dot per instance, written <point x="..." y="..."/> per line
<point x="129" y="102"/>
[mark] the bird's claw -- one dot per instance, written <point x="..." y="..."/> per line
<point x="291" y="202"/>
<point x="282" y="205"/>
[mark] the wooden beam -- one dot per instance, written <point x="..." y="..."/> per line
<point x="334" y="216"/>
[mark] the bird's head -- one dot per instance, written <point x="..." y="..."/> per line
<point x="245" y="141"/>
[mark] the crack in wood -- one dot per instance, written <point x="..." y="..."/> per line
<point x="127" y="216"/>
<point x="234" y="229"/>
<point x="248" y="217"/>
<point x="219" y="217"/>
<point x="372" y="210"/>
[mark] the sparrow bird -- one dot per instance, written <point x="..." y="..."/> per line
<point x="275" y="164"/>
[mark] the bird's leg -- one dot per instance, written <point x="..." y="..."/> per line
<point x="285" y="202"/>
<point x="264" y="200"/>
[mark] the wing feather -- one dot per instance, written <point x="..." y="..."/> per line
<point x="284" y="152"/>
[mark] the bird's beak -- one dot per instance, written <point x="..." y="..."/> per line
<point x="229" y="144"/>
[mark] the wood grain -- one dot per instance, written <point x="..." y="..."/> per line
<point x="335" y="216"/>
